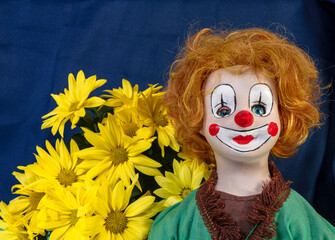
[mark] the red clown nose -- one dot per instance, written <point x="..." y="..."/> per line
<point x="244" y="119"/>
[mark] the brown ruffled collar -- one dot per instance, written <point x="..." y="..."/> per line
<point x="220" y="224"/>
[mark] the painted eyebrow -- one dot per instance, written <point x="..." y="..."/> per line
<point x="260" y="100"/>
<point x="222" y="103"/>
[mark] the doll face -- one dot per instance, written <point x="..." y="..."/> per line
<point x="241" y="120"/>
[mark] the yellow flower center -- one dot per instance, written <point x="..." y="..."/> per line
<point x="185" y="192"/>
<point x="35" y="198"/>
<point x="116" y="222"/>
<point x="119" y="155"/>
<point x="74" y="106"/>
<point x="160" y="120"/>
<point x="73" y="217"/>
<point x="130" y="129"/>
<point x="66" y="177"/>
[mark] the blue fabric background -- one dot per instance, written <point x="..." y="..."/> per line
<point x="41" y="42"/>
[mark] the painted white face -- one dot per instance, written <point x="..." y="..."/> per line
<point x="241" y="120"/>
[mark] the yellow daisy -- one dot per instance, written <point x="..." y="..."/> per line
<point x="29" y="199"/>
<point x="59" y="166"/>
<point x="72" y="104"/>
<point x="115" y="155"/>
<point x="115" y="218"/>
<point x="64" y="211"/>
<point x="127" y="96"/>
<point x="155" y="114"/>
<point x="14" y="226"/>
<point x="194" y="162"/>
<point x="25" y="179"/>
<point x="124" y="97"/>
<point x="153" y="89"/>
<point x="177" y="185"/>
<point x="132" y="126"/>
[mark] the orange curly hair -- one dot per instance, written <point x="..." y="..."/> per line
<point x="294" y="73"/>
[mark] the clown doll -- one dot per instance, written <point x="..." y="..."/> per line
<point x="235" y="98"/>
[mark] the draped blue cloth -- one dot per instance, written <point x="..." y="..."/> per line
<point x="41" y="42"/>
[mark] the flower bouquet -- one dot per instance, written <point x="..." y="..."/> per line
<point x="112" y="178"/>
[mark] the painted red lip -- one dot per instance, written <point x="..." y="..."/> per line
<point x="243" y="139"/>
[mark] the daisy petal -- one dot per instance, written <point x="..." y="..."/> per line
<point x="145" y="161"/>
<point x="139" y="206"/>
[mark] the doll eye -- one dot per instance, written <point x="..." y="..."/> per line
<point x="224" y="111"/>
<point x="258" y="110"/>
<point x="223" y="101"/>
<point x="261" y="99"/>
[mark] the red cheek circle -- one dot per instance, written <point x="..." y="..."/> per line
<point x="214" y="129"/>
<point x="273" y="129"/>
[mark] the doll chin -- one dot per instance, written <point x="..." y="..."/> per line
<point x="245" y="157"/>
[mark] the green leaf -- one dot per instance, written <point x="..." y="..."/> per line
<point x="40" y="237"/>
<point x="87" y="122"/>
<point x="81" y="141"/>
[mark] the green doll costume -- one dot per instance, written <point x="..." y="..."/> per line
<point x="278" y="213"/>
